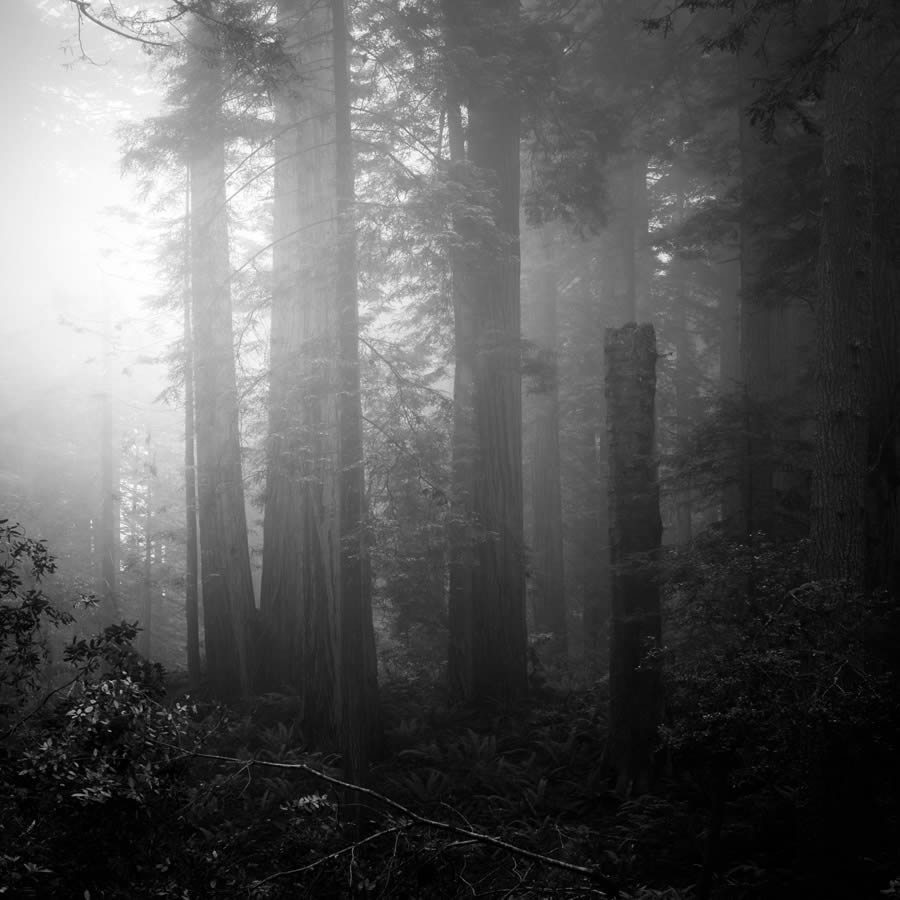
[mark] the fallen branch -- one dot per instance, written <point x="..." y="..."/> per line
<point x="592" y="872"/>
<point x="324" y="859"/>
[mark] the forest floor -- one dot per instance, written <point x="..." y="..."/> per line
<point x="518" y="798"/>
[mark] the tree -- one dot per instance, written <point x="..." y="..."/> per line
<point x="635" y="529"/>
<point x="546" y="532"/>
<point x="109" y="476"/>
<point x="224" y="554"/>
<point x="487" y="616"/>
<point x="844" y="312"/>
<point x="883" y="501"/>
<point x="584" y="408"/>
<point x="316" y="590"/>
<point x="192" y="542"/>
<point x="359" y="697"/>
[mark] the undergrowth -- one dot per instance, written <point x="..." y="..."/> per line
<point x="111" y="789"/>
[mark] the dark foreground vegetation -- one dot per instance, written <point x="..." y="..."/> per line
<point x="777" y="774"/>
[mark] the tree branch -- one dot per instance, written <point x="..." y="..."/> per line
<point x="592" y="872"/>
<point x="83" y="7"/>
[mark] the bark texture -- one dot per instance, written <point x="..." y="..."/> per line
<point x="359" y="699"/>
<point x="192" y="567"/>
<point x="301" y="550"/>
<point x="756" y="512"/>
<point x="463" y="449"/>
<point x="883" y="500"/>
<point x="546" y="539"/>
<point x="844" y="313"/>
<point x="225" y="556"/>
<point x="316" y="583"/>
<point x="587" y="485"/>
<point x="635" y="707"/>
<point x="488" y="658"/>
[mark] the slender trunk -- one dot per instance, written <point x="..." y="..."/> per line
<point x="498" y="631"/>
<point x="549" y="602"/>
<point x="682" y="273"/>
<point x="286" y="543"/>
<point x="728" y="286"/>
<point x="683" y="403"/>
<point x="635" y="708"/>
<point x="757" y="512"/>
<point x="358" y="676"/>
<point x="109" y="513"/>
<point x="460" y="530"/>
<point x="147" y="581"/>
<point x="593" y="526"/>
<point x="224" y="552"/>
<point x="192" y="573"/>
<point x="844" y="313"/>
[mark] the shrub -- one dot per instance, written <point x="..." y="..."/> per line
<point x="99" y="734"/>
<point x="776" y="691"/>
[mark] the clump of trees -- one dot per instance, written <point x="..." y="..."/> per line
<point x="528" y="346"/>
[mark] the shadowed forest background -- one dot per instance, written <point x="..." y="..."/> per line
<point x="450" y="449"/>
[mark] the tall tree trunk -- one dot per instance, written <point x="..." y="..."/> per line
<point x="109" y="485"/>
<point x="316" y="583"/>
<point x="549" y="597"/>
<point x="682" y="273"/>
<point x="883" y="502"/>
<point x="844" y="313"/>
<point x="757" y="513"/>
<point x="359" y="728"/>
<point x="592" y="524"/>
<point x="147" y="579"/>
<point x="498" y="636"/>
<point x="728" y="286"/>
<point x="224" y="552"/>
<point x="192" y="550"/>
<point x="683" y="403"/>
<point x="635" y="707"/>
<point x="301" y="548"/>
<point x="461" y="524"/>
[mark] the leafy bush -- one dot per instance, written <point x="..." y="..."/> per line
<point x="97" y="733"/>
<point x="763" y="662"/>
<point x="25" y="613"/>
<point x="776" y="691"/>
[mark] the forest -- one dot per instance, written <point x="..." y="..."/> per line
<point x="450" y="448"/>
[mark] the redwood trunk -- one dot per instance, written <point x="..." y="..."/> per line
<point x="497" y="636"/>
<point x="844" y="313"/>
<point x="549" y="603"/>
<point x="635" y="708"/>
<point x="315" y="588"/>
<point x="224" y="551"/>
<point x="757" y="505"/>
<point x="192" y="568"/>
<point x="359" y="727"/>
<point x="109" y="485"/>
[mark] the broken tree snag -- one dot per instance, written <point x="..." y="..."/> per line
<point x="635" y="532"/>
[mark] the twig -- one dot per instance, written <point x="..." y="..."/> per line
<point x="79" y="674"/>
<point x="83" y="8"/>
<point x="323" y="859"/>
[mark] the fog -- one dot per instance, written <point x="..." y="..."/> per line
<point x="77" y="254"/>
